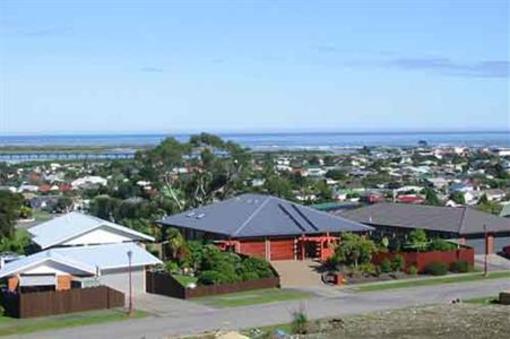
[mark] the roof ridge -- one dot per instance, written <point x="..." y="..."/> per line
<point x="254" y="213"/>
<point x="462" y="219"/>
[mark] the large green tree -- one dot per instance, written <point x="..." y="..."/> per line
<point x="10" y="205"/>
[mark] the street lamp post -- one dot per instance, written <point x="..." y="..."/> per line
<point x="485" y="263"/>
<point x="130" y="307"/>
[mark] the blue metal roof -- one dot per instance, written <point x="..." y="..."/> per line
<point x="253" y="215"/>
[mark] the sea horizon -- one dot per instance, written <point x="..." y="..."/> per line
<point x="291" y="140"/>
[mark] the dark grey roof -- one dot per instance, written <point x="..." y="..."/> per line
<point x="459" y="220"/>
<point x="251" y="215"/>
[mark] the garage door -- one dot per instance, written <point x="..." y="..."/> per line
<point x="255" y="248"/>
<point x="119" y="280"/>
<point x="282" y="249"/>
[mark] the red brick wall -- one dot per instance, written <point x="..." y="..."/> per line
<point x="282" y="249"/>
<point x="12" y="283"/>
<point x="63" y="282"/>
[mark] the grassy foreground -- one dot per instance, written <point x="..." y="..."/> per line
<point x="12" y="326"/>
<point x="457" y="278"/>
<point x="262" y="296"/>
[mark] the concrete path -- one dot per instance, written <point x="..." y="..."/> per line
<point x="495" y="262"/>
<point x="162" y="306"/>
<point x="297" y="273"/>
<point x="196" y="321"/>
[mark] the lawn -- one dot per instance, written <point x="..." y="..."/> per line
<point x="457" y="278"/>
<point x="184" y="280"/>
<point x="12" y="326"/>
<point x="262" y="296"/>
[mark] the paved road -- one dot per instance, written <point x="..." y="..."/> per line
<point x="336" y="304"/>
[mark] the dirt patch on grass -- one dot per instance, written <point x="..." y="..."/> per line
<point x="440" y="321"/>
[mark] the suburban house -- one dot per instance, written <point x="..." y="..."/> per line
<point x="264" y="226"/>
<point x="464" y="224"/>
<point x="81" y="251"/>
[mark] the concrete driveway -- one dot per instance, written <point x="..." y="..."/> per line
<point x="495" y="262"/>
<point x="162" y="306"/>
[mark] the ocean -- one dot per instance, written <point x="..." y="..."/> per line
<point x="275" y="141"/>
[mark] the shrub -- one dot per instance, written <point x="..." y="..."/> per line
<point x="398" y="263"/>
<point x="385" y="266"/>
<point x="255" y="265"/>
<point x="460" y="266"/>
<point x="210" y="278"/>
<point x="367" y="268"/>
<point x="417" y="240"/>
<point x="436" y="268"/>
<point x="413" y="270"/>
<point x="299" y="322"/>
<point x="354" y="250"/>
<point x="441" y="245"/>
<point x="245" y="276"/>
<point x="171" y="266"/>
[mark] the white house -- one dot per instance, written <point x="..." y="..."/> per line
<point x="89" y="180"/>
<point x="78" y="249"/>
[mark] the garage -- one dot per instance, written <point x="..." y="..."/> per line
<point x="256" y="248"/>
<point x="282" y="249"/>
<point x="118" y="279"/>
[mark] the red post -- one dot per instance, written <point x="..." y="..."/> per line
<point x="303" y="247"/>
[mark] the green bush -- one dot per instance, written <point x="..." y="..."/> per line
<point x="413" y="270"/>
<point x="436" y="268"/>
<point x="210" y="278"/>
<point x="441" y="245"/>
<point x="460" y="266"/>
<point x="245" y="276"/>
<point x="367" y="268"/>
<point x="398" y="263"/>
<point x="171" y="266"/>
<point x="259" y="268"/>
<point x="385" y="266"/>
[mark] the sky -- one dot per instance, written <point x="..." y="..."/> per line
<point x="253" y="66"/>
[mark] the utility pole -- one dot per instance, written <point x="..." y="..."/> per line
<point x="130" y="307"/>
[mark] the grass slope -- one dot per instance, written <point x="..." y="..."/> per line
<point x="458" y="278"/>
<point x="262" y="296"/>
<point x="12" y="326"/>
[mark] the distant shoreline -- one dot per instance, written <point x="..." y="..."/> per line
<point x="324" y="141"/>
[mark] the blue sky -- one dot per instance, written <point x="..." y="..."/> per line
<point x="220" y="66"/>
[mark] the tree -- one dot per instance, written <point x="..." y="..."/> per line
<point x="336" y="174"/>
<point x="458" y="198"/>
<point x="488" y="206"/>
<point x="417" y="240"/>
<point x="10" y="205"/>
<point x="431" y="197"/>
<point x="104" y="207"/>
<point x="278" y="186"/>
<point x="176" y="243"/>
<point x="355" y="250"/>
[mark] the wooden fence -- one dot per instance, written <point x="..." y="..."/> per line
<point x="163" y="283"/>
<point x="36" y="304"/>
<point x="422" y="259"/>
